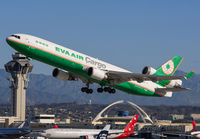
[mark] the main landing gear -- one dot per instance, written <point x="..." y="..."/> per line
<point x="109" y="90"/>
<point x="87" y="90"/>
<point x="106" y="89"/>
<point x="99" y="90"/>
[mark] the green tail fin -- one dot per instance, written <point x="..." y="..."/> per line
<point x="168" y="69"/>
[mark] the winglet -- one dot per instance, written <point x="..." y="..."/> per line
<point x="107" y="127"/>
<point x="26" y="123"/>
<point x="189" y="75"/>
<point x="21" y="125"/>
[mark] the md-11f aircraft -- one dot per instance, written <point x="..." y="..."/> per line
<point x="71" y="65"/>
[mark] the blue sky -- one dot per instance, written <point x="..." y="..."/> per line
<point x="130" y="34"/>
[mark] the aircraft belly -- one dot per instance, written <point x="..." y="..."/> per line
<point x="136" y="89"/>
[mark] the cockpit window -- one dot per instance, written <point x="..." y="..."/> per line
<point x="16" y="36"/>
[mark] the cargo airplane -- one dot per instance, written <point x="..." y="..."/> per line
<point x="72" y="65"/>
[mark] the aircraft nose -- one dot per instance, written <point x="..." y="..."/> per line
<point x="8" y="38"/>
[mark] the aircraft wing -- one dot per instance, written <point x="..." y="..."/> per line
<point x="117" y="77"/>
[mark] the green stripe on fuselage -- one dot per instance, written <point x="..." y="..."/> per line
<point x="74" y="67"/>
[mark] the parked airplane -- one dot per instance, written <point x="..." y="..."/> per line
<point x="102" y="135"/>
<point x="22" y="130"/>
<point x="195" y="133"/>
<point x="90" y="133"/>
<point x="72" y="65"/>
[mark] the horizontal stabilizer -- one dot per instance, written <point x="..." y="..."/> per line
<point x="163" y="91"/>
<point x="189" y="75"/>
<point x="167" y="92"/>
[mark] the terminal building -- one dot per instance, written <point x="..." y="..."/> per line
<point x="45" y="118"/>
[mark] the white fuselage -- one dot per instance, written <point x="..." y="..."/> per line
<point x="49" y="47"/>
<point x="76" y="133"/>
<point x="196" y="134"/>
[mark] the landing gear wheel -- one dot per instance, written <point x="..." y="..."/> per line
<point x="84" y="89"/>
<point x="100" y="90"/>
<point x="106" y="89"/>
<point x="109" y="90"/>
<point x="89" y="91"/>
<point x="113" y="91"/>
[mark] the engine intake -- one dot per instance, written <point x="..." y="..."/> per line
<point x="96" y="73"/>
<point x="62" y="75"/>
<point x="148" y="70"/>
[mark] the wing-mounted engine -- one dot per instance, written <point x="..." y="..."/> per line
<point x="96" y="73"/>
<point x="62" y="75"/>
<point x="87" y="137"/>
<point x="148" y="70"/>
<point x="175" y="84"/>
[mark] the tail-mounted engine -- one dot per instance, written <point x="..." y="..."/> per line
<point x="148" y="70"/>
<point x="175" y="84"/>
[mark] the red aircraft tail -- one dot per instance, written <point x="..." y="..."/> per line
<point x="131" y="125"/>
<point x="54" y="125"/>
<point x="193" y="125"/>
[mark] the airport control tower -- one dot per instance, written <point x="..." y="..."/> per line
<point x="19" y="68"/>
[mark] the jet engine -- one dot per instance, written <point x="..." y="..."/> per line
<point x="175" y="83"/>
<point x="62" y="75"/>
<point x="96" y="73"/>
<point x="148" y="70"/>
<point x="87" y="137"/>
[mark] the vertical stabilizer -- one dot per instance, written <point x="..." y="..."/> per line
<point x="131" y="125"/>
<point x="54" y="125"/>
<point x="168" y="69"/>
<point x="193" y="125"/>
